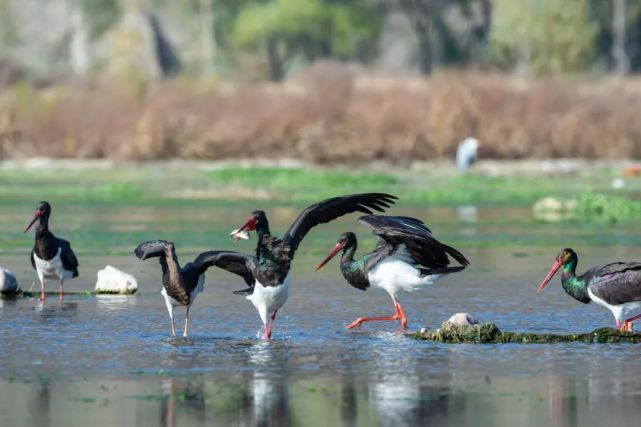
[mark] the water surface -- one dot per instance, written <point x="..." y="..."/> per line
<point x="110" y="361"/>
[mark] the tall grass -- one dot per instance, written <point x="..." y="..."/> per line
<point x="326" y="114"/>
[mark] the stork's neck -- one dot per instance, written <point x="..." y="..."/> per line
<point x="42" y="226"/>
<point x="262" y="229"/>
<point x="573" y="285"/>
<point x="347" y="259"/>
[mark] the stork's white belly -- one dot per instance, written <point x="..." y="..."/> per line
<point x="53" y="268"/>
<point x="394" y="275"/>
<point x="620" y="312"/>
<point x="267" y="299"/>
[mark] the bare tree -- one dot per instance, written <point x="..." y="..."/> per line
<point x="619" y="54"/>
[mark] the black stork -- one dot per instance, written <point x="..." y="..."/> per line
<point x="181" y="285"/>
<point x="407" y="257"/>
<point x="51" y="257"/>
<point x="274" y="255"/>
<point x="615" y="286"/>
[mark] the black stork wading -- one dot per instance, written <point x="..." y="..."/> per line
<point x="181" y="285"/>
<point x="51" y="257"/>
<point x="615" y="286"/>
<point x="274" y="255"/>
<point x="407" y="257"/>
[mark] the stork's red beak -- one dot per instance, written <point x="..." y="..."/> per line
<point x="339" y="246"/>
<point x="555" y="267"/>
<point x="250" y="225"/>
<point x="37" y="215"/>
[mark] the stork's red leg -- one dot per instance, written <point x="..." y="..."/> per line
<point x="358" y="322"/>
<point x="268" y="327"/>
<point x="400" y="311"/>
<point x="42" y="290"/>
<point x="629" y="323"/>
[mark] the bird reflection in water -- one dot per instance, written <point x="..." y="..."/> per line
<point x="56" y="310"/>
<point x="269" y="397"/>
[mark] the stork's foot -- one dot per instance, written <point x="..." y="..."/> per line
<point x="268" y="332"/>
<point x="355" y="324"/>
<point x="358" y="322"/>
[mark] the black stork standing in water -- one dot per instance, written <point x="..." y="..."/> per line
<point x="51" y="257"/>
<point x="274" y="255"/>
<point x="181" y="285"/>
<point x="615" y="286"/>
<point x="407" y="257"/>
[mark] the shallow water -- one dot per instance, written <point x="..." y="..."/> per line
<point x="110" y="361"/>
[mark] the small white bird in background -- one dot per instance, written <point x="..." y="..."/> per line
<point x="466" y="154"/>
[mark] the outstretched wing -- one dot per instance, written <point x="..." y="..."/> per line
<point x="150" y="249"/>
<point x="330" y="209"/>
<point x="398" y="232"/>
<point x="241" y="264"/>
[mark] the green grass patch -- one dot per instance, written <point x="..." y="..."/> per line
<point x="605" y="207"/>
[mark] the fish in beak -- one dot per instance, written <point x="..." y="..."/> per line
<point x="243" y="232"/>
<point x="238" y="234"/>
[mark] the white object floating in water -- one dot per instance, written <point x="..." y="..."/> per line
<point x="236" y="235"/>
<point x="463" y="319"/>
<point x="113" y="281"/>
<point x="8" y="282"/>
<point x="466" y="154"/>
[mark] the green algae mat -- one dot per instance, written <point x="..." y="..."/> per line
<point x="489" y="333"/>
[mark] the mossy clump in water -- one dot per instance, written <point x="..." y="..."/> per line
<point x="489" y="333"/>
<point x="11" y="294"/>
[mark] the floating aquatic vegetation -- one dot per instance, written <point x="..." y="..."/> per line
<point x="607" y="207"/>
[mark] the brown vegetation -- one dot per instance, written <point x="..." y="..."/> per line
<point x="327" y="113"/>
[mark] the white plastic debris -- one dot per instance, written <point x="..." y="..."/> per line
<point x="463" y="319"/>
<point x="8" y="282"/>
<point x="114" y="281"/>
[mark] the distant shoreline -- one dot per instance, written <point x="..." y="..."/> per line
<point x="486" y="167"/>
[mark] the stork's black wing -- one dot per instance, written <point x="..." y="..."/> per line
<point x="616" y="283"/>
<point x="152" y="248"/>
<point x="330" y="209"/>
<point x="68" y="258"/>
<point x="243" y="265"/>
<point x="418" y="240"/>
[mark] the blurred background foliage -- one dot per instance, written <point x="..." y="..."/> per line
<point x="320" y="80"/>
<point x="277" y="37"/>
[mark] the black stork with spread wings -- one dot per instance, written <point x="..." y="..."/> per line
<point x="274" y="255"/>
<point x="615" y="286"/>
<point x="181" y="285"/>
<point x="51" y="256"/>
<point x="407" y="257"/>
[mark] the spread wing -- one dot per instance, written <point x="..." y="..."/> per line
<point x="396" y="232"/>
<point x="616" y="283"/>
<point x="330" y="209"/>
<point x="241" y="264"/>
<point x="150" y="249"/>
